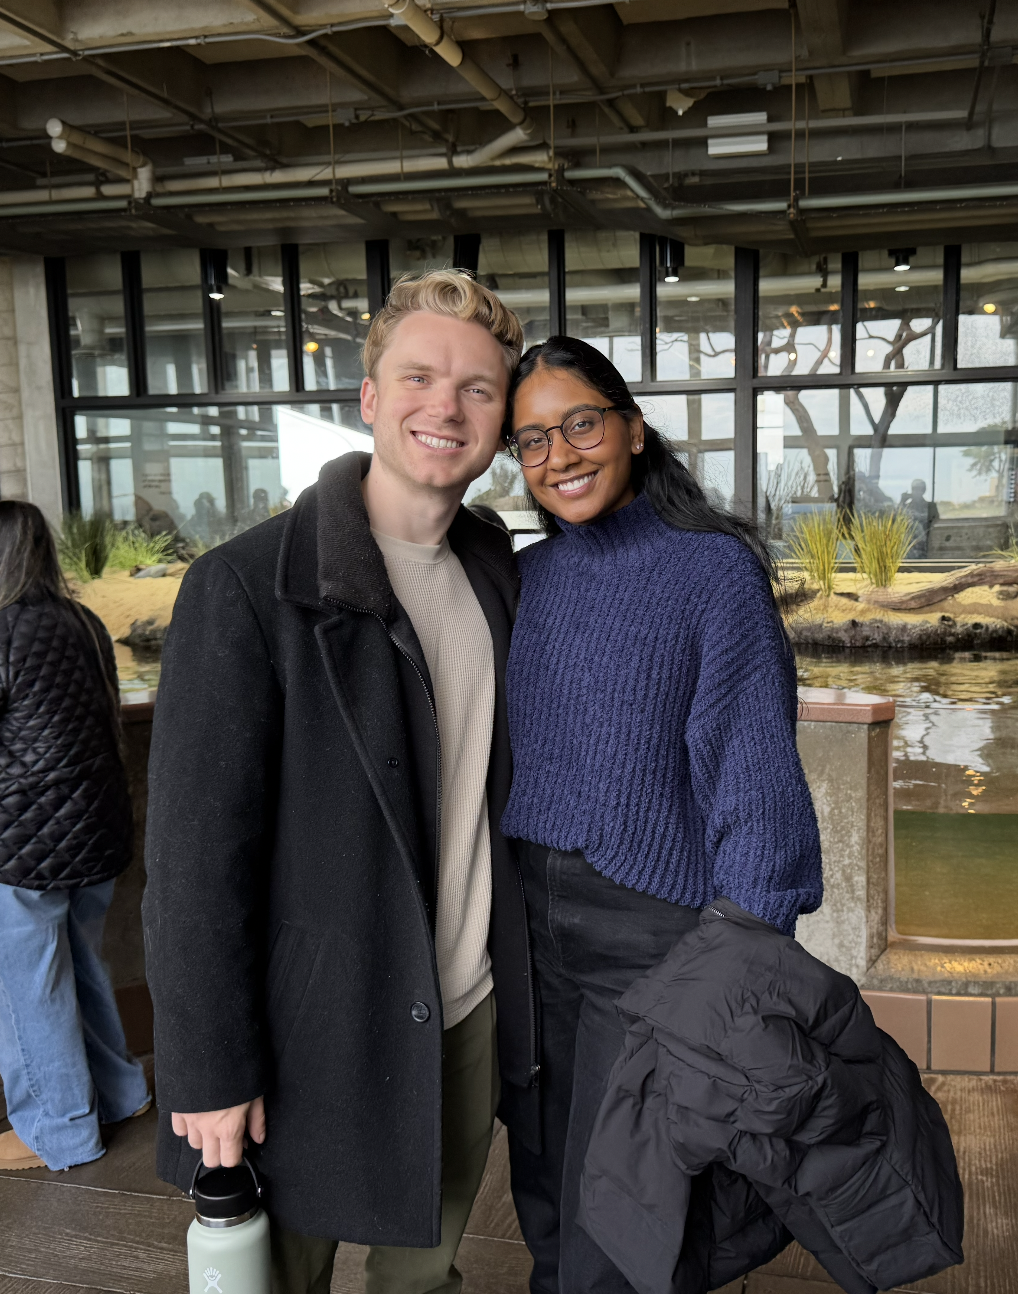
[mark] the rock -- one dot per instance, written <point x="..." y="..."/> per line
<point x="946" y="633"/>
<point x="150" y="572"/>
<point x="145" y="633"/>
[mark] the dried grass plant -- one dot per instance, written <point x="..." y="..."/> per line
<point x="880" y="542"/>
<point x="813" y="544"/>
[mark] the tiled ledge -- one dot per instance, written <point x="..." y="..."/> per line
<point x="951" y="1033"/>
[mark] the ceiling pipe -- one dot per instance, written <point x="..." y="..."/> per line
<point x="424" y="26"/>
<point x="68" y="141"/>
<point x="115" y="196"/>
<point x="656" y="202"/>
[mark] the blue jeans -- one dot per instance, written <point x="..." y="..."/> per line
<point x="63" y="1057"/>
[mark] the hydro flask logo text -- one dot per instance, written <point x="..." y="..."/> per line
<point x="212" y="1279"/>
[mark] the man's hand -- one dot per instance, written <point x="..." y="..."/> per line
<point x="219" y="1134"/>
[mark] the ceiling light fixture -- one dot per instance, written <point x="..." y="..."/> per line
<point x="216" y="296"/>
<point x="310" y="347"/>
<point x="366" y="314"/>
<point x="990" y="308"/>
<point x="692" y="298"/>
<point x="902" y="287"/>
<point x="792" y="355"/>
<point x="900" y="256"/>
<point x="671" y="255"/>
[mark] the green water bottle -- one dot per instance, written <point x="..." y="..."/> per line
<point x="228" y="1241"/>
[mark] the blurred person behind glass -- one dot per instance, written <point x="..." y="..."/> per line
<point x="65" y="834"/>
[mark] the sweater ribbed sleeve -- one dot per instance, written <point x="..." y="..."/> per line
<point x="652" y="710"/>
<point x="760" y="830"/>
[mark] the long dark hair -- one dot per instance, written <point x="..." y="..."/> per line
<point x="658" y="472"/>
<point x="30" y="572"/>
<point x="29" y="569"/>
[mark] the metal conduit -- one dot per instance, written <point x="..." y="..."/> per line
<point x="424" y="26"/>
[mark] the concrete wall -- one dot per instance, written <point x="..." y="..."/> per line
<point x="848" y="767"/>
<point x="29" y="449"/>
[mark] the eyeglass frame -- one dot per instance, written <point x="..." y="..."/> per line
<point x="546" y="431"/>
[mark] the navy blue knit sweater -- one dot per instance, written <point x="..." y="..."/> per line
<point x="652" y="710"/>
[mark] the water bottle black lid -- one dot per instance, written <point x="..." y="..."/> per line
<point x="225" y="1192"/>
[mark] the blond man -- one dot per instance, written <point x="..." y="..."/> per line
<point x="331" y="911"/>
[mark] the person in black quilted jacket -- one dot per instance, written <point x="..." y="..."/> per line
<point x="65" y="834"/>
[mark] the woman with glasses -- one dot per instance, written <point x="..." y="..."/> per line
<point x="652" y="708"/>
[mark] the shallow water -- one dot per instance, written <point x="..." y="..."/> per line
<point x="956" y="755"/>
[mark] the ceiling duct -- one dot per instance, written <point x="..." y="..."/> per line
<point x="68" y="141"/>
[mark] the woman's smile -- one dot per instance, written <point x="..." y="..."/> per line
<point x="575" y="485"/>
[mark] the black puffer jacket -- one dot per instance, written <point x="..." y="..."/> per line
<point x="65" y="812"/>
<point x="756" y="1101"/>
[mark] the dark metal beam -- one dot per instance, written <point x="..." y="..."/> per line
<point x="557" y="319"/>
<point x="376" y="255"/>
<point x="648" y="307"/>
<point x="747" y="274"/>
<point x="134" y="322"/>
<point x="293" y="310"/>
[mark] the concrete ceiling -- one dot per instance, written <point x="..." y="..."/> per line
<point x="904" y="97"/>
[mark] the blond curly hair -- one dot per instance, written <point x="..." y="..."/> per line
<point x="454" y="293"/>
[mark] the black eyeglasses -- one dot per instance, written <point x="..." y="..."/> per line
<point x="583" y="429"/>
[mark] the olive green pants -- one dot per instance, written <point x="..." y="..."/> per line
<point x="303" y="1264"/>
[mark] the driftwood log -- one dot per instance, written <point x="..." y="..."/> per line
<point x="970" y="577"/>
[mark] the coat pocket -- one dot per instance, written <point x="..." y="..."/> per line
<point x="291" y="968"/>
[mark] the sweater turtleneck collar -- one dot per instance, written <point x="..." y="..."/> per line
<point x="617" y="531"/>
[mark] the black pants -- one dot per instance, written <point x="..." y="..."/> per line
<point x="591" y="939"/>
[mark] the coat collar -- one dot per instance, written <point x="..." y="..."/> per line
<point x="328" y="554"/>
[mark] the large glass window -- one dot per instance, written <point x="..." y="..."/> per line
<point x="695" y="313"/>
<point x="988" y="315"/>
<point x="901" y="309"/>
<point x="174" y="328"/>
<point x="334" y="314"/>
<point x="95" y="305"/>
<point x="799" y="328"/>
<point x="702" y="429"/>
<point x="204" y="474"/>
<point x="603" y="294"/>
<point x="254" y="327"/>
<point x="515" y="265"/>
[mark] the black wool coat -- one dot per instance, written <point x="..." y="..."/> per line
<point x="755" y="1101"/>
<point x="291" y="850"/>
<point x="65" y="810"/>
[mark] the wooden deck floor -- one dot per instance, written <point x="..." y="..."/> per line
<point x="113" y="1226"/>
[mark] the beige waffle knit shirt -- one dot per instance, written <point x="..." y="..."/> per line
<point x="433" y="589"/>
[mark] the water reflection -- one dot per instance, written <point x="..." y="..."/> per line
<point x="955" y="784"/>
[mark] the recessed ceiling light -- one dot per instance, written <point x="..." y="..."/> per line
<point x="216" y="296"/>
<point x="792" y="355"/>
<point x="902" y="287"/>
<point x="278" y="313"/>
<point x="869" y="354"/>
<point x="671" y="278"/>
<point x="310" y="347"/>
<point x="990" y="308"/>
<point x="692" y="298"/>
<point x="366" y="314"/>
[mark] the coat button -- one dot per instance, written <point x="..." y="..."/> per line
<point x="394" y="763"/>
<point x="420" y="1012"/>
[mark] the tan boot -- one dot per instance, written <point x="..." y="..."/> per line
<point x="15" y="1154"/>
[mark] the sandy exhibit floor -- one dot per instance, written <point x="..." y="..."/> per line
<point x="119" y="599"/>
<point x="122" y="602"/>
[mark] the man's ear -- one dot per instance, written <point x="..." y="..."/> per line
<point x="369" y="401"/>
